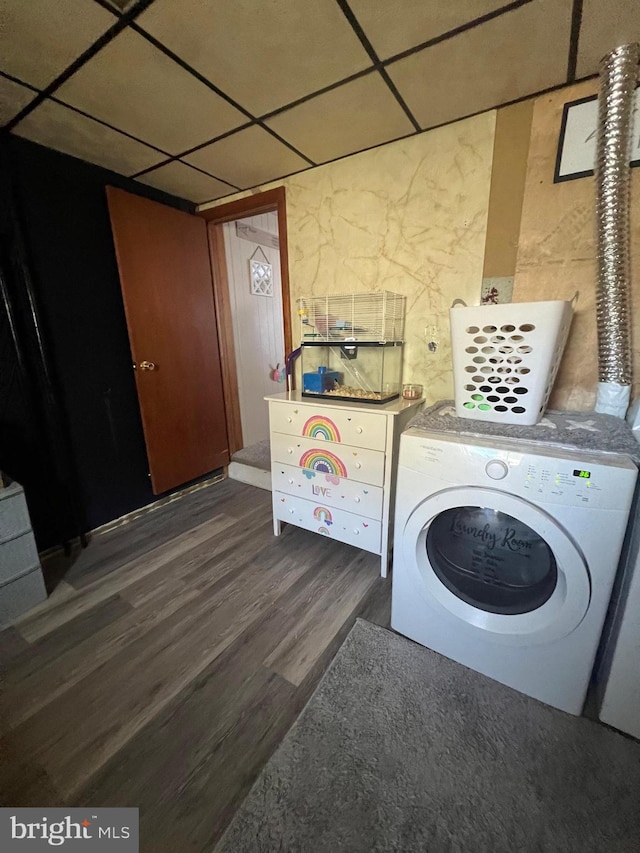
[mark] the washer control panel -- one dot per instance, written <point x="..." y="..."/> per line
<point x="534" y="472"/>
<point x="575" y="485"/>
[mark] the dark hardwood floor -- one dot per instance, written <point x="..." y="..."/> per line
<point x="172" y="659"/>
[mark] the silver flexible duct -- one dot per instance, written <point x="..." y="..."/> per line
<point x="618" y="76"/>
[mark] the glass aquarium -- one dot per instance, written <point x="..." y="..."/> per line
<point x="363" y="372"/>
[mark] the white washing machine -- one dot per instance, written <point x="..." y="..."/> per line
<point x="618" y="676"/>
<point x="618" y="679"/>
<point x="505" y="554"/>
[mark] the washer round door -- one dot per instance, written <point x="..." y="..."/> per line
<point x="499" y="564"/>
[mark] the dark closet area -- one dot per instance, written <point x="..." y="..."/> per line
<point x="70" y="427"/>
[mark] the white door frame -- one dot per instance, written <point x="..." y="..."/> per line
<point x="264" y="202"/>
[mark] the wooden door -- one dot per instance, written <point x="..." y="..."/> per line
<point x="165" y="275"/>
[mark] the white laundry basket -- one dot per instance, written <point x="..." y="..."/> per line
<point x="505" y="358"/>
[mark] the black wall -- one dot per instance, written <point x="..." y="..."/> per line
<point x="60" y="205"/>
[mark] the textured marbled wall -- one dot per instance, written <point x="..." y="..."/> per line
<point x="409" y="217"/>
<point x="557" y="251"/>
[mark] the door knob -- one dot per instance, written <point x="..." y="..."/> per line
<point x="147" y="365"/>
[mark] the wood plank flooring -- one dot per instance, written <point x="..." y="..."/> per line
<point x="171" y="660"/>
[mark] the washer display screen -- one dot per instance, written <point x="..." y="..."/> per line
<point x="491" y="560"/>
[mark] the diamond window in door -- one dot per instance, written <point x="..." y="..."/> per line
<point x="261" y="274"/>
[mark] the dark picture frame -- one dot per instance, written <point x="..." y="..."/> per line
<point x="577" y="140"/>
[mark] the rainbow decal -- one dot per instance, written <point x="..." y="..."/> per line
<point x="323" y="460"/>
<point x="323" y="515"/>
<point x="319" y="426"/>
<point x="324" y="531"/>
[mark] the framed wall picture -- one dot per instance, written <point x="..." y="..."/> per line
<point x="577" y="144"/>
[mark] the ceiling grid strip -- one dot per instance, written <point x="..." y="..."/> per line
<point x="106" y="124"/>
<point x="168" y="157"/>
<point x="20" y="82"/>
<point x="116" y="10"/>
<point x="574" y="41"/>
<point x="463" y="28"/>
<point x="364" y="41"/>
<point x="200" y="145"/>
<point x="89" y="53"/>
<point x="253" y="120"/>
<point x="170" y="160"/>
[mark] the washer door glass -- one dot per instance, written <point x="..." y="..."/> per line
<point x="491" y="560"/>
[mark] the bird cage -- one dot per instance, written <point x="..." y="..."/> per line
<point x="365" y="317"/>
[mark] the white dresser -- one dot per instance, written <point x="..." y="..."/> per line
<point x="333" y="467"/>
<point x="21" y="581"/>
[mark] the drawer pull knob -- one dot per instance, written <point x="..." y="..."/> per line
<point x="289" y="449"/>
<point x="291" y="511"/>
<point x="356" y="532"/>
<point x="289" y="420"/>
<point x="358" y="464"/>
<point x="291" y="480"/>
<point x="358" y="429"/>
<point x="357" y="500"/>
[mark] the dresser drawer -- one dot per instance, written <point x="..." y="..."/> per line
<point x="346" y="426"/>
<point x="361" y="498"/>
<point x="14" y="515"/>
<point x="330" y="522"/>
<point x="18" y="555"/>
<point x="340" y="461"/>
<point x="20" y="595"/>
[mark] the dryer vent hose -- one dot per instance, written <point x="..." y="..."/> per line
<point x="618" y="76"/>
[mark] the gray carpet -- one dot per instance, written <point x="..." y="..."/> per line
<point x="400" y="749"/>
<point x="257" y="455"/>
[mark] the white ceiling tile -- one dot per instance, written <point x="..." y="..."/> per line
<point x="234" y="158"/>
<point x="264" y="55"/>
<point x="40" y="38"/>
<point x="517" y="54"/>
<point x="63" y="129"/>
<point x="351" y="117"/>
<point x="137" y="88"/>
<point x="393" y="26"/>
<point x="179" y="179"/>
<point x="605" y="26"/>
<point x="13" y="98"/>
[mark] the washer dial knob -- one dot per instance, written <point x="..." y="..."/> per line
<point x="497" y="469"/>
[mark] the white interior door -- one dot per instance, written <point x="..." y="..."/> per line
<point x="256" y="312"/>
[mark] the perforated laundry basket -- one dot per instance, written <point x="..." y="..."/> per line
<point x="505" y="358"/>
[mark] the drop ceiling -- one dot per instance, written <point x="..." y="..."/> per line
<point x="202" y="98"/>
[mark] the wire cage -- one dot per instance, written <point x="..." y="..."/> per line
<point x="377" y="317"/>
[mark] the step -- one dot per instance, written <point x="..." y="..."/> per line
<point x="252" y="465"/>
